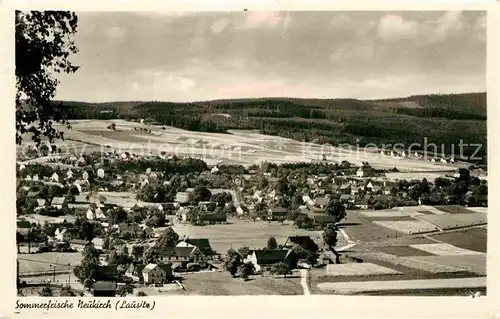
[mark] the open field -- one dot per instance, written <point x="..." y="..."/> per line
<point x="471" y="263"/>
<point x="222" y="284"/>
<point x="29" y="263"/>
<point x="360" y="228"/>
<point x="244" y="147"/>
<point x="358" y="269"/>
<point x="444" y="250"/>
<point x="385" y="213"/>
<point x="238" y="233"/>
<point x="412" y="262"/>
<point x="472" y="239"/>
<point x="403" y="251"/>
<point x="454" y="209"/>
<point x="407" y="227"/>
<point x="450" y="221"/>
<point x="368" y="286"/>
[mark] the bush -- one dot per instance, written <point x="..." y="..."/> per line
<point x="141" y="294"/>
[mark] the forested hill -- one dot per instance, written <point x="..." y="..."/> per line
<point x="442" y="118"/>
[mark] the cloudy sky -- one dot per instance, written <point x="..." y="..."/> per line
<point x="200" y="56"/>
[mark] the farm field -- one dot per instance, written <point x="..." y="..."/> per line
<point x="242" y="147"/>
<point x="450" y="221"/>
<point x="222" y="284"/>
<point x="368" y="286"/>
<point x="358" y="269"/>
<point x="29" y="263"/>
<point x="443" y="249"/>
<point x="403" y="251"/>
<point x="238" y="233"/>
<point x="454" y="209"/>
<point x="361" y="229"/>
<point x="472" y="239"/>
<point x="407" y="227"/>
<point x="470" y="263"/>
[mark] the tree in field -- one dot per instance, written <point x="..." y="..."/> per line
<point x="336" y="208"/>
<point x="272" y="243"/>
<point x="244" y="251"/>
<point x="43" y="46"/>
<point x="330" y="239"/>
<point x="245" y="270"/>
<point x="168" y="239"/>
<point x="201" y="194"/>
<point x="232" y="262"/>
<point x="137" y="252"/>
<point x="281" y="269"/>
<point x="87" y="270"/>
<point x="150" y="256"/>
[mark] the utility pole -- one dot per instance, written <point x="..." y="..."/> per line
<point x="69" y="274"/>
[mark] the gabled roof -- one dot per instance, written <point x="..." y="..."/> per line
<point x="347" y="196"/>
<point x="300" y="240"/>
<point x="321" y="201"/>
<point x="32" y="194"/>
<point x="41" y="202"/>
<point x="136" y="268"/>
<point x="148" y="268"/>
<point x="278" y="210"/>
<point x="176" y="251"/>
<point x="201" y="243"/>
<point x="271" y="256"/>
<point x="58" y="200"/>
<point x="79" y="242"/>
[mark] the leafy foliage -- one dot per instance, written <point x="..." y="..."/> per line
<point x="43" y="46"/>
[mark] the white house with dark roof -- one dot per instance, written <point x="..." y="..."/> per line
<point x="59" y="202"/>
<point x="62" y="235"/>
<point x="54" y="178"/>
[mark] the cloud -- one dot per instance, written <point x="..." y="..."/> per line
<point x="220" y="25"/>
<point x="268" y="19"/>
<point x="353" y="52"/>
<point x="394" y="27"/>
<point x="161" y="81"/>
<point x="115" y="32"/>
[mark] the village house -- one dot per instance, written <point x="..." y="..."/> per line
<point x="42" y="203"/>
<point x="181" y="255"/>
<point x="124" y="228"/>
<point x="203" y="244"/>
<point x="157" y="273"/>
<point x="321" y="202"/>
<point x="62" y="235"/>
<point x="79" y="244"/>
<point x="59" y="202"/>
<point x="277" y="213"/>
<point x="347" y="198"/>
<point x="98" y="242"/>
<point x="362" y="204"/>
<point x="54" y="178"/>
<point x="264" y="259"/>
<point x="182" y="198"/>
<point x="82" y="184"/>
<point x="134" y="271"/>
